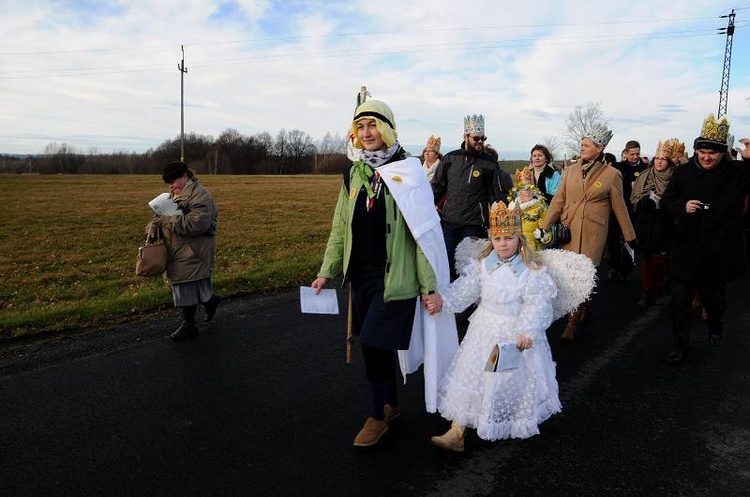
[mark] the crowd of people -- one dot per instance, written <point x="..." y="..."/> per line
<point x="680" y="214"/>
<point x="421" y="239"/>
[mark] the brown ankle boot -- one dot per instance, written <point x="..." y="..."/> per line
<point x="571" y="327"/>
<point x="452" y="439"/>
<point x="371" y="432"/>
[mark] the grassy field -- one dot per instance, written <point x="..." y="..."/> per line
<point x="68" y="244"/>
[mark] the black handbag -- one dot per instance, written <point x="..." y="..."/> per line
<point x="560" y="233"/>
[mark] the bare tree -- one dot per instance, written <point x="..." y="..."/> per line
<point x="552" y="144"/>
<point x="580" y="123"/>
<point x="300" y="146"/>
<point x="281" y="149"/>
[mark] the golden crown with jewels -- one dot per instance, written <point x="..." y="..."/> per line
<point x="504" y="221"/>
<point x="715" y="130"/>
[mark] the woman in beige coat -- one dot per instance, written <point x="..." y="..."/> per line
<point x="191" y="242"/>
<point x="590" y="190"/>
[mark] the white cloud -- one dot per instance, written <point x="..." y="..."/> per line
<point x="107" y="76"/>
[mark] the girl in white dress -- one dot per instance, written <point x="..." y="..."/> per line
<point x="515" y="294"/>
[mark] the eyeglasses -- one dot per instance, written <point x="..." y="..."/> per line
<point x="479" y="138"/>
<point x="660" y="158"/>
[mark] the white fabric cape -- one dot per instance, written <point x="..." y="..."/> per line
<point x="434" y="339"/>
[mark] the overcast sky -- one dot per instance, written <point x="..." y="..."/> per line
<point x="104" y="75"/>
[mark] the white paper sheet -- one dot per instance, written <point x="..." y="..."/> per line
<point x="504" y="356"/>
<point x="162" y="205"/>
<point x="326" y="302"/>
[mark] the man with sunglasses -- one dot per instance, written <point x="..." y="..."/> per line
<point x="470" y="180"/>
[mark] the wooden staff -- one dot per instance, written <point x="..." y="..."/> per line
<point x="349" y="331"/>
<point x="361" y="98"/>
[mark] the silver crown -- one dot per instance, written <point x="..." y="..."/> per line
<point x="599" y="134"/>
<point x="474" y="124"/>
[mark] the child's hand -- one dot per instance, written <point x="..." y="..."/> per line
<point x="433" y="303"/>
<point x="523" y="342"/>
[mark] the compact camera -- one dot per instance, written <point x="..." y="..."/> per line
<point x="705" y="206"/>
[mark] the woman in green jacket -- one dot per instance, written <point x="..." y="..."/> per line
<point x="372" y="246"/>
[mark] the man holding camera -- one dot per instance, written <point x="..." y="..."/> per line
<point x="705" y="197"/>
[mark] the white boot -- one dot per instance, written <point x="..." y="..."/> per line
<point x="452" y="439"/>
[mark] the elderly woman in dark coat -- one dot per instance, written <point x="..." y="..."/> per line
<point x="191" y="242"/>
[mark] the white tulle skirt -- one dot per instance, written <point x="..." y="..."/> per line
<point x="499" y="405"/>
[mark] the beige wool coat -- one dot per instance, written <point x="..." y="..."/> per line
<point x="191" y="237"/>
<point x="590" y="222"/>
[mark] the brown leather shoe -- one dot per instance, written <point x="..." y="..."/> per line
<point x="371" y="432"/>
<point x="452" y="439"/>
<point x="391" y="413"/>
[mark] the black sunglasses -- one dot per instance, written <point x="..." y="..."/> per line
<point x="479" y="138"/>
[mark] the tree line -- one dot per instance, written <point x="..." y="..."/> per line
<point x="290" y="152"/>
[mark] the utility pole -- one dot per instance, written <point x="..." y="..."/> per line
<point x="183" y="70"/>
<point x="724" y="93"/>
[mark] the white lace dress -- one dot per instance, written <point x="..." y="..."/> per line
<point x="508" y="404"/>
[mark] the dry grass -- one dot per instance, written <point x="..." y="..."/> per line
<point x="68" y="243"/>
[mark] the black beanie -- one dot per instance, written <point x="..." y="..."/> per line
<point x="706" y="143"/>
<point x="173" y="171"/>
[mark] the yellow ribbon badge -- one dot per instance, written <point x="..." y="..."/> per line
<point x="475" y="173"/>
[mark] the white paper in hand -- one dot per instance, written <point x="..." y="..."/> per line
<point x="504" y="356"/>
<point x="325" y="302"/>
<point x="162" y="205"/>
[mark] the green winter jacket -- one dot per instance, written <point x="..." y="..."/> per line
<point x="407" y="273"/>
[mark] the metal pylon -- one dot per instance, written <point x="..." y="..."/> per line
<point x="724" y="93"/>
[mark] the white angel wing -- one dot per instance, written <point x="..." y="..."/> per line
<point x="468" y="250"/>
<point x="575" y="277"/>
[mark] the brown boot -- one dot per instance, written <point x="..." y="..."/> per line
<point x="371" y="432"/>
<point x="452" y="439"/>
<point x="583" y="312"/>
<point x="391" y="413"/>
<point x="569" y="335"/>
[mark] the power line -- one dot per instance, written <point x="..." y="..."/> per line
<point x="337" y="53"/>
<point x="360" y="34"/>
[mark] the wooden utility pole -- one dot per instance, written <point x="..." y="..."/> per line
<point x="183" y="70"/>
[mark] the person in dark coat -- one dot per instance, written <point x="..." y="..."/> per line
<point x="467" y="181"/>
<point x="705" y="197"/>
<point x="653" y="226"/>
<point x="620" y="262"/>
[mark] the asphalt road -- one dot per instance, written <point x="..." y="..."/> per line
<point x="262" y="403"/>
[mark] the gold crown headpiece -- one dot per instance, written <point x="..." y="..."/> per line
<point x="714" y="130"/>
<point x="524" y="176"/>
<point x="434" y="142"/>
<point x="504" y="221"/>
<point x="678" y="152"/>
<point x="666" y="148"/>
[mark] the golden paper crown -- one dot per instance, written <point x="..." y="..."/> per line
<point x="679" y="150"/>
<point x="524" y="176"/>
<point x="434" y="142"/>
<point x="504" y="221"/>
<point x="672" y="148"/>
<point x="714" y="130"/>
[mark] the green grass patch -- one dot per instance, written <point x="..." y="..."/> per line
<point x="68" y="244"/>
